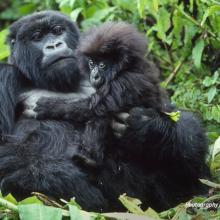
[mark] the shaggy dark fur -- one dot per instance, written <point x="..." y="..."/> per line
<point x="161" y="160"/>
<point x="170" y="154"/>
<point x="37" y="155"/>
<point x="128" y="80"/>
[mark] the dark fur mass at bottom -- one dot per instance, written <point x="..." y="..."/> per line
<point x="160" y="176"/>
<point x="160" y="161"/>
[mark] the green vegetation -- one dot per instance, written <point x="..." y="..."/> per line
<point x="183" y="39"/>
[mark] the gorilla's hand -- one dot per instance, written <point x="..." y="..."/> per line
<point x="141" y="129"/>
<point x="29" y="101"/>
<point x="133" y="121"/>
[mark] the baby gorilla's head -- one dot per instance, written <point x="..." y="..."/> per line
<point x="109" y="50"/>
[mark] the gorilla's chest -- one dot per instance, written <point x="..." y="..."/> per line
<point x="58" y="138"/>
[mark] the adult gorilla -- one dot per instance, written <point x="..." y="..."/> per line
<point x="37" y="155"/>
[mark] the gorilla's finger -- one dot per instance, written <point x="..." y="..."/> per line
<point x="83" y="160"/>
<point x="123" y="116"/>
<point x="30" y="113"/>
<point x="118" y="127"/>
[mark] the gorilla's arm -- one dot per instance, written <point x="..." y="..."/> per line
<point x="9" y="91"/>
<point x="43" y="104"/>
<point x="155" y="137"/>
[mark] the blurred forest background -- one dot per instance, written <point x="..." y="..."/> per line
<point x="183" y="39"/>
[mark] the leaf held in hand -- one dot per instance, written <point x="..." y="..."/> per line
<point x="175" y="116"/>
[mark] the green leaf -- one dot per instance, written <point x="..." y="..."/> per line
<point x="141" y="7"/>
<point x="39" y="212"/>
<point x="211" y="93"/>
<point x="207" y="81"/>
<point x="151" y="213"/>
<point x="75" y="14"/>
<point x="175" y="116"/>
<point x="30" y="200"/>
<point x="3" y="35"/>
<point x="75" y="213"/>
<point x="210" y="11"/>
<point x="4" y="52"/>
<point x="4" y="49"/>
<point x="216" y="148"/>
<point x="131" y="204"/>
<point x="11" y="199"/>
<point x="155" y="5"/>
<point x="103" y="13"/>
<point x="66" y="9"/>
<point x="177" y="25"/>
<point x="198" y="199"/>
<point x="74" y="203"/>
<point x="163" y="23"/>
<point x="197" y="52"/>
<point x="126" y="4"/>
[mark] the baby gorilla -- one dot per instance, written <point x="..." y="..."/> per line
<point x="112" y="57"/>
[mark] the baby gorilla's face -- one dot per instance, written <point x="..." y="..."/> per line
<point x="99" y="71"/>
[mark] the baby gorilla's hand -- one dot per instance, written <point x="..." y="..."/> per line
<point x="125" y="123"/>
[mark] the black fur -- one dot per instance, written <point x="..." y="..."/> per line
<point x="37" y="155"/>
<point x="128" y="80"/>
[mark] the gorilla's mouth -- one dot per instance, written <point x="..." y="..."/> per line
<point x="49" y="61"/>
<point x="60" y="59"/>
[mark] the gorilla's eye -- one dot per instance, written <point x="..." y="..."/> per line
<point x="36" y="36"/>
<point x="91" y="64"/>
<point x="57" y="30"/>
<point x="12" y="41"/>
<point x="102" y="65"/>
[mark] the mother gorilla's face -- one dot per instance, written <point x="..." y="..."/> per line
<point x="43" y="48"/>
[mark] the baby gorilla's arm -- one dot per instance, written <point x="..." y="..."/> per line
<point x="45" y="104"/>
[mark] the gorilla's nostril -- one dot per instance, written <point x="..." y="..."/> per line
<point x="59" y="44"/>
<point x="50" y="47"/>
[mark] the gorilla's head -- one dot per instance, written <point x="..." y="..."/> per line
<point x="43" y="48"/>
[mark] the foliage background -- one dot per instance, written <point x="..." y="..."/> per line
<point x="183" y="39"/>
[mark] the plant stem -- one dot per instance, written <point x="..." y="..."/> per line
<point x="8" y="205"/>
<point x="173" y="74"/>
<point x="190" y="18"/>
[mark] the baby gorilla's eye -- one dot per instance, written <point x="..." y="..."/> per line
<point x="58" y="30"/>
<point x="102" y="65"/>
<point x="36" y="36"/>
<point x="91" y="64"/>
